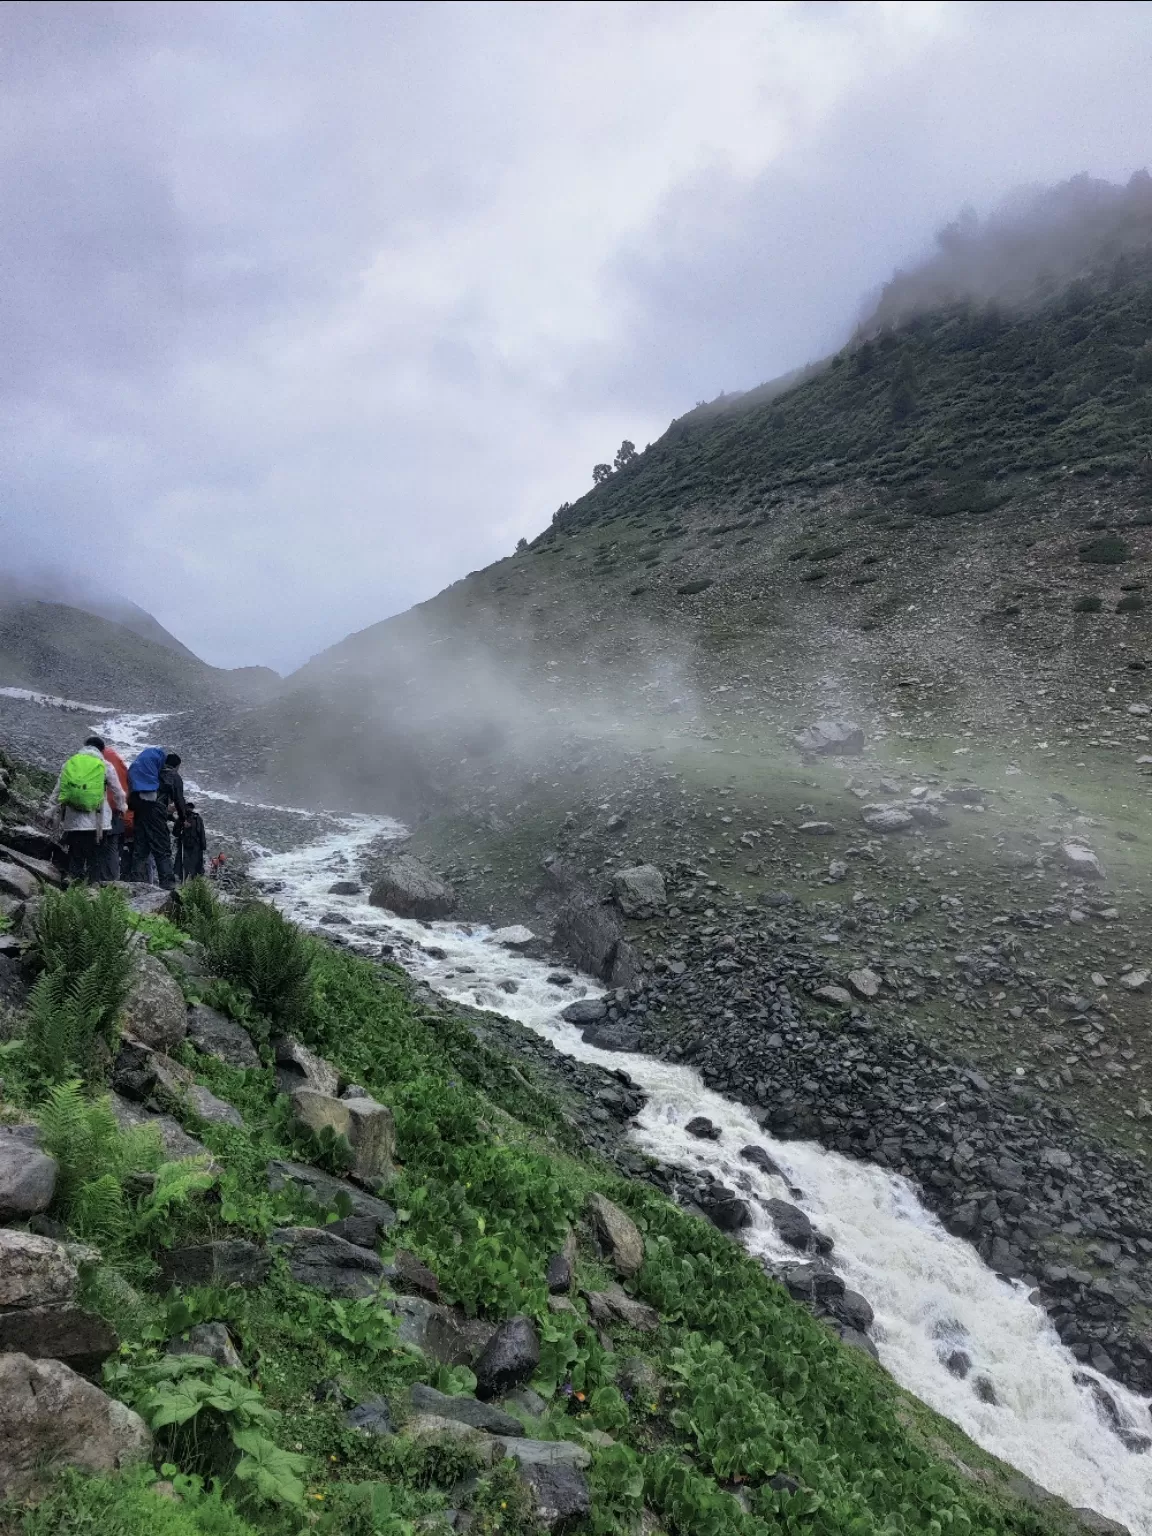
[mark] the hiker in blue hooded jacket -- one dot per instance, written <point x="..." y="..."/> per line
<point x="155" y="791"/>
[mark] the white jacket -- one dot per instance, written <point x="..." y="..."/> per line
<point x="76" y="820"/>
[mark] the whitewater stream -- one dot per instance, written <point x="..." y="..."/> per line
<point x="931" y="1292"/>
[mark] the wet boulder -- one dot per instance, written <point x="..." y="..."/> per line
<point x="791" y="1224"/>
<point x="410" y="889"/>
<point x="612" y="1037"/>
<point x="703" y="1129"/>
<point x="724" y="1208"/>
<point x="586" y="1010"/>
<point x="509" y="1359"/>
<point x="590" y="934"/>
<point x="760" y="1159"/>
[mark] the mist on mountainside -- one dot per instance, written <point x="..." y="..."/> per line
<point x="1027" y="249"/>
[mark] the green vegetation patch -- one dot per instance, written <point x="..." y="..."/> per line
<point x="1109" y="550"/>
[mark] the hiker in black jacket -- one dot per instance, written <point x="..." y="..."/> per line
<point x="193" y="843"/>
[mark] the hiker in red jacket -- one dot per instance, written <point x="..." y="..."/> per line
<point x="83" y="800"/>
<point x="120" y="832"/>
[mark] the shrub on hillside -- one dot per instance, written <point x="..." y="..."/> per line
<point x="1088" y="605"/>
<point x="261" y="950"/>
<point x="1132" y="602"/>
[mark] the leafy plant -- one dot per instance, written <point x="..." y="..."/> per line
<point x="95" y="1159"/>
<point x="204" y="1415"/>
<point x="159" y="932"/>
<point x="126" y="1506"/>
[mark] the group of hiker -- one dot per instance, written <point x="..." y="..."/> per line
<point x="128" y="821"/>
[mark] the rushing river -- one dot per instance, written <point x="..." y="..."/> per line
<point x="931" y="1292"/>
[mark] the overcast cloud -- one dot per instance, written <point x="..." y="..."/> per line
<point x="308" y="309"/>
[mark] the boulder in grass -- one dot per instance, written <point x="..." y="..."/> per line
<point x="297" y="1067"/>
<point x="155" y="1013"/>
<point x="50" y="1417"/>
<point x="27" y="1175"/>
<point x="1082" y="861"/>
<point x="34" y="1271"/>
<point x="409" y="888"/>
<point x="509" y="1359"/>
<point x="214" y="1034"/>
<point x="317" y="1257"/>
<point x="83" y="1340"/>
<point x="617" y="1234"/>
<point x="831" y="738"/>
<point x="367" y="1126"/>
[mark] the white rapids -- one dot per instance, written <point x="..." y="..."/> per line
<point x="931" y="1292"/>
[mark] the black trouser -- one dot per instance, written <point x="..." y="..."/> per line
<point x="85" y="855"/>
<point x="152" y="837"/>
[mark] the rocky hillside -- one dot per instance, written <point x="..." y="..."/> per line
<point x="289" y="1245"/>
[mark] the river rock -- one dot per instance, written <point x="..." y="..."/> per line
<point x="612" y="1037"/>
<point x="514" y="937"/>
<point x="617" y="1234"/>
<point x="831" y="738"/>
<point x="591" y="936"/>
<point x="1082" y="861"/>
<point x="509" y="1359"/>
<point x="83" y="1340"/>
<point x="639" y="890"/>
<point x="345" y="888"/>
<point x="212" y="1340"/>
<point x="297" y="1067"/>
<point x="702" y="1128"/>
<point x="214" y="1034"/>
<point x="724" y="1208"/>
<point x="410" y="889"/>
<point x="27" y="1175"/>
<point x="466" y="1410"/>
<point x="791" y="1224"/>
<point x="586" y="1010"/>
<point x="228" y="1261"/>
<point x="317" y="1257"/>
<point x="34" y="1271"/>
<point x="50" y="1417"/>
<point x="155" y="1013"/>
<point x="760" y="1159"/>
<point x="367" y="1126"/>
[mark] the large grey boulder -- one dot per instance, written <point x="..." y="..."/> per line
<point x="443" y="1334"/>
<point x="210" y="1340"/>
<point x="585" y="1010"/>
<point x="639" y="890"/>
<point x="317" y="1257"/>
<point x="410" y="889"/>
<point x="1082" y="861"/>
<point x="590" y="934"/>
<point x="149" y="1077"/>
<point x="297" y="1067"/>
<point x="34" y="1271"/>
<point x="155" y="1013"/>
<point x="213" y="1034"/>
<point x="831" y="738"/>
<point x="618" y="1235"/>
<point x="27" y="1175"/>
<point x="887" y="818"/>
<point x="51" y="1418"/>
<point x="614" y="1305"/>
<point x="367" y="1126"/>
<point x="790" y="1222"/>
<point x="509" y="1359"/>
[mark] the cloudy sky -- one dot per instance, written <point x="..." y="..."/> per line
<point x="308" y="309"/>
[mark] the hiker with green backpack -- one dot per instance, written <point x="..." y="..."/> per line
<point x="86" y="793"/>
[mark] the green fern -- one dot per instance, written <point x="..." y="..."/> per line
<point x="200" y="914"/>
<point x="99" y="1212"/>
<point x="82" y="944"/>
<point x="95" y="1158"/>
<point x="261" y="950"/>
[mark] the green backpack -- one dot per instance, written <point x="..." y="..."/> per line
<point x="82" y="782"/>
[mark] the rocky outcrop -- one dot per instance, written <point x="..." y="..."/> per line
<point x="590" y="934"/>
<point x="155" y="1013"/>
<point x="509" y="1359"/>
<point x="410" y="889"/>
<point x="367" y="1126"/>
<point x="297" y="1067"/>
<point x="50" y="1417"/>
<point x="317" y="1257"/>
